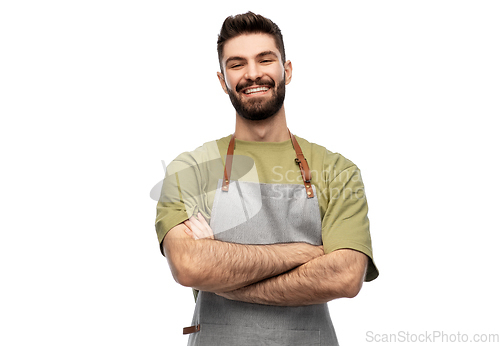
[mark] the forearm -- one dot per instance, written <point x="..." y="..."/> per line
<point x="336" y="275"/>
<point x="216" y="266"/>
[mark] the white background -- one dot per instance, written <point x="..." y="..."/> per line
<point x="94" y="94"/>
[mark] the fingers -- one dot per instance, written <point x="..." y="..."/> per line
<point x="204" y="223"/>
<point x="198" y="228"/>
<point x="188" y="230"/>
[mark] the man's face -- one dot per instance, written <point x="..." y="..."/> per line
<point x="254" y="75"/>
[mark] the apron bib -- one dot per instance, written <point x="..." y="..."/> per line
<point x="254" y="213"/>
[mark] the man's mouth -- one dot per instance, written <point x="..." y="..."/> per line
<point x="256" y="90"/>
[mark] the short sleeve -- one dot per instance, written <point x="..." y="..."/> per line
<point x="188" y="187"/>
<point x="180" y="195"/>
<point x="345" y="223"/>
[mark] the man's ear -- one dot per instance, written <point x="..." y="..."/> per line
<point x="288" y="71"/>
<point x="222" y="81"/>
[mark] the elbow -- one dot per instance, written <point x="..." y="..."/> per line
<point x="353" y="286"/>
<point x="184" y="279"/>
<point x="181" y="266"/>
<point x="355" y="278"/>
<point x="181" y="269"/>
<point x="352" y="291"/>
<point x="183" y="274"/>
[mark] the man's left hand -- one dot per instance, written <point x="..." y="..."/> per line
<point x="198" y="228"/>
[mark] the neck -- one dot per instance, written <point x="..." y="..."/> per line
<point x="272" y="129"/>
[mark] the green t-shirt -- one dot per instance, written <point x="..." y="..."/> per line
<point x="191" y="181"/>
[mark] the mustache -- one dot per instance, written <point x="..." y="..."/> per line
<point x="247" y="84"/>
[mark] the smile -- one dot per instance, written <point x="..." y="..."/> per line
<point x="256" y="90"/>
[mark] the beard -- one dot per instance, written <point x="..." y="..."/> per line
<point x="257" y="108"/>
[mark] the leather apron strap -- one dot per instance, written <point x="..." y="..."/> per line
<point x="228" y="165"/>
<point x="192" y="329"/>
<point x="299" y="159"/>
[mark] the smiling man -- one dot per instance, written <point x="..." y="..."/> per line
<point x="266" y="227"/>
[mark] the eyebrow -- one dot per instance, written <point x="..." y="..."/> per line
<point x="260" y="55"/>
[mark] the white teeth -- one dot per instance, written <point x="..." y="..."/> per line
<point x="255" y="90"/>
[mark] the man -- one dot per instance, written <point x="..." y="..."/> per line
<point x="265" y="227"/>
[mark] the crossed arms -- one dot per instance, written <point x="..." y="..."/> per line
<point x="290" y="274"/>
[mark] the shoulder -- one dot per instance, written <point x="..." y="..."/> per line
<point x="320" y="157"/>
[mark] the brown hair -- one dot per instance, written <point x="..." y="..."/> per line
<point x="247" y="23"/>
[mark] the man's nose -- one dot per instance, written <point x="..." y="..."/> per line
<point x="253" y="71"/>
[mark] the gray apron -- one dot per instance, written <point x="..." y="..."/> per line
<point x="253" y="213"/>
